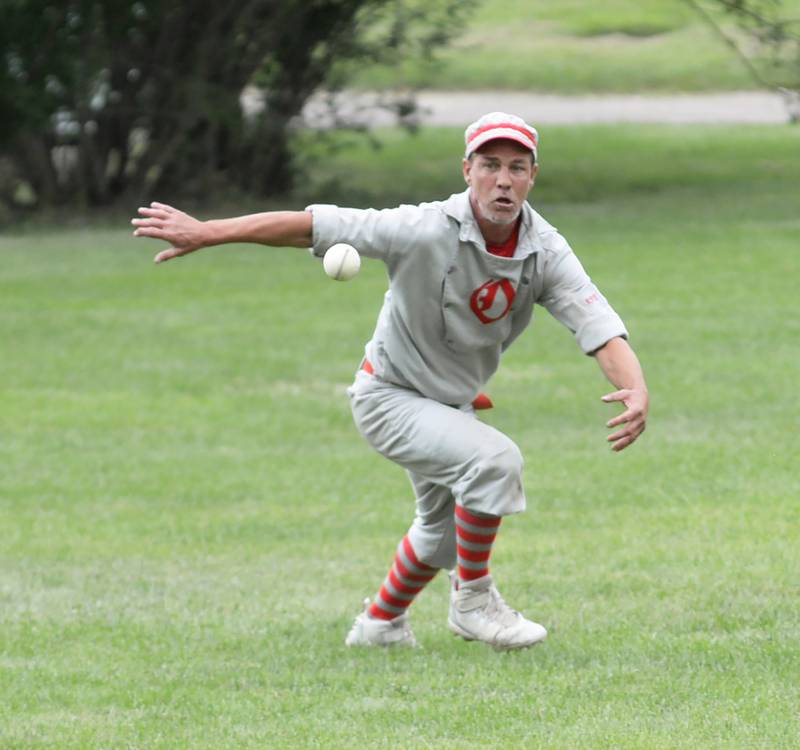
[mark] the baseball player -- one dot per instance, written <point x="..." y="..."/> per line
<point x="464" y="275"/>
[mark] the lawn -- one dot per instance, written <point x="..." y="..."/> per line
<point x="575" y="46"/>
<point x="190" y="520"/>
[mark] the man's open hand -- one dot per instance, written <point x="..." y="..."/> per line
<point x="161" y="222"/>
<point x="634" y="417"/>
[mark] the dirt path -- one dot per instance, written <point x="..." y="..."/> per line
<point x="458" y="108"/>
<point x="735" y="107"/>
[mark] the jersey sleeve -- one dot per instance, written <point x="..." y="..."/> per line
<point x="571" y="297"/>
<point x="372" y="232"/>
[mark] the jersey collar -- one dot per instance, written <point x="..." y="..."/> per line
<point x="457" y="207"/>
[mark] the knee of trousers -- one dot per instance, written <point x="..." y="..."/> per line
<point x="492" y="481"/>
<point x="434" y="542"/>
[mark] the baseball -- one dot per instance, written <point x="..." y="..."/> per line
<point x="341" y="261"/>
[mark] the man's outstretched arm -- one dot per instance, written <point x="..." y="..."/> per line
<point x="186" y="234"/>
<point x="621" y="366"/>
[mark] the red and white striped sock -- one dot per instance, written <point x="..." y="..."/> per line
<point x="407" y="577"/>
<point x="475" y="536"/>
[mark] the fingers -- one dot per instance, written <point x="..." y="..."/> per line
<point x="153" y="215"/>
<point x="148" y="226"/>
<point x="623" y="438"/>
<point x="167" y="254"/>
<point x="147" y="223"/>
<point x="155" y="222"/>
<point x="622" y="444"/>
<point x="163" y="207"/>
<point x="626" y="416"/>
<point x="616" y="396"/>
<point x="619" y="435"/>
<point x="155" y="232"/>
<point x="158" y="213"/>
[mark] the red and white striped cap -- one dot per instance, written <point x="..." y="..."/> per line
<point x="500" y="125"/>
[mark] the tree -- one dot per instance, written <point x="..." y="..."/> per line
<point x="774" y="60"/>
<point x="109" y="99"/>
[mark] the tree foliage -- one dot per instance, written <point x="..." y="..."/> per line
<point x="773" y="57"/>
<point x="110" y="99"/>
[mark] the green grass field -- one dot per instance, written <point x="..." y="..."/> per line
<point x="189" y="520"/>
<point x="578" y="47"/>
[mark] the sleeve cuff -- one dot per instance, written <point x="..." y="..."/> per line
<point x="597" y="333"/>
<point x="325" y="227"/>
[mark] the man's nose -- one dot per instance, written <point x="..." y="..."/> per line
<point x="504" y="177"/>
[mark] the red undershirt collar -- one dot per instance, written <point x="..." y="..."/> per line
<point x="507" y="248"/>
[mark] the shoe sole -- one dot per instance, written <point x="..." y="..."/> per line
<point x="459" y="633"/>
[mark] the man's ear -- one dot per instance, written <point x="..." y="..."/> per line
<point x="534" y="172"/>
<point x="466" y="168"/>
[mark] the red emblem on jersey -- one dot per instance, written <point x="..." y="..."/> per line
<point x="492" y="301"/>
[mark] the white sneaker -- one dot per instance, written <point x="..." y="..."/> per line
<point x="478" y="613"/>
<point x="372" y="631"/>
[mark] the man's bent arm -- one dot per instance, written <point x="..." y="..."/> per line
<point x="620" y="365"/>
<point x="187" y="234"/>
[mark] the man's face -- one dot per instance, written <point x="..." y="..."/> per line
<point x="500" y="175"/>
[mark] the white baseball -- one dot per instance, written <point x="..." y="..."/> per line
<point x="341" y="261"/>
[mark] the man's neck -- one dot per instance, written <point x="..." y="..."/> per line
<point x="493" y="233"/>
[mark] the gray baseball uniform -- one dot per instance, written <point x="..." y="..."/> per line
<point x="452" y="308"/>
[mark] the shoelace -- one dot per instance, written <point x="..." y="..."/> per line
<point x="498" y="605"/>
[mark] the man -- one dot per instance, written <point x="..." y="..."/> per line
<point x="464" y="275"/>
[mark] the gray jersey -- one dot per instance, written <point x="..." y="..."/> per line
<point x="452" y="307"/>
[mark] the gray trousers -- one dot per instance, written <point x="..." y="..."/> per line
<point x="450" y="456"/>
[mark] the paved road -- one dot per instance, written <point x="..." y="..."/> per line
<point x="456" y="108"/>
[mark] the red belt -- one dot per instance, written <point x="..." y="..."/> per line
<point x="481" y="401"/>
